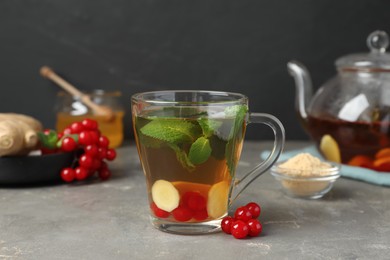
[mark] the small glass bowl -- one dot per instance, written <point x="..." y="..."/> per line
<point x="306" y="185"/>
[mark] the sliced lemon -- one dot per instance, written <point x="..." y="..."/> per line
<point x="217" y="203"/>
<point x="330" y="149"/>
<point x="165" y="195"/>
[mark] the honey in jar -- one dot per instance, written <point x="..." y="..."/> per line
<point x="70" y="109"/>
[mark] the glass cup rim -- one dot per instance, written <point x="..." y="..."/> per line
<point x="141" y="97"/>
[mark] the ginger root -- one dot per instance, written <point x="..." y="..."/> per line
<point x="18" y="134"/>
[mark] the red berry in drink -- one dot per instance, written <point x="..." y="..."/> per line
<point x="200" y="215"/>
<point x="67" y="174"/>
<point x="103" y="141"/>
<point x="255" y="227"/>
<point x="185" y="197"/>
<point x="89" y="124"/>
<point x="160" y="213"/>
<point x="194" y="200"/>
<point x="76" y="128"/>
<point x="91" y="150"/>
<point x="243" y="213"/>
<point x="182" y="214"/>
<point x="81" y="173"/>
<point x="68" y="144"/>
<point x="85" y="138"/>
<point x="254" y="209"/>
<point x="110" y="154"/>
<point x="226" y="224"/>
<point x="239" y="229"/>
<point x="104" y="173"/>
<point x="86" y="161"/>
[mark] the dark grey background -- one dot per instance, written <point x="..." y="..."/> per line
<point x="132" y="46"/>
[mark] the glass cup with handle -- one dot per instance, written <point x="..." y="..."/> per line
<point x="189" y="144"/>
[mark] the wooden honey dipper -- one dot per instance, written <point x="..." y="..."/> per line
<point x="104" y="111"/>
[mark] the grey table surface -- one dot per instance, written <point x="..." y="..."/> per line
<point x="109" y="220"/>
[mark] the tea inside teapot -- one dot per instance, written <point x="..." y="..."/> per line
<point x="349" y="116"/>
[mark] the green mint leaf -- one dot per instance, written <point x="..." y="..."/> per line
<point x="49" y="140"/>
<point x="172" y="131"/>
<point x="200" y="151"/>
<point x="209" y="126"/>
<point x="145" y="140"/>
<point x="233" y="111"/>
<point x="149" y="141"/>
<point x="182" y="157"/>
<point x="231" y="158"/>
<point x="238" y="112"/>
<point x="236" y="135"/>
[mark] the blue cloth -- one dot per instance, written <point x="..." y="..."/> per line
<point x="358" y="173"/>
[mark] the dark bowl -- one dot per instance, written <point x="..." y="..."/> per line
<point x="34" y="169"/>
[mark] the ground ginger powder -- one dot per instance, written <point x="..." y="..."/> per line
<point x="304" y="165"/>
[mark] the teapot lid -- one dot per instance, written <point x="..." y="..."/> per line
<point x="376" y="59"/>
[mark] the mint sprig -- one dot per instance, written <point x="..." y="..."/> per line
<point x="239" y="113"/>
<point x="182" y="157"/>
<point x="206" y="136"/>
<point x="200" y="150"/>
<point x="172" y="131"/>
<point x="209" y="126"/>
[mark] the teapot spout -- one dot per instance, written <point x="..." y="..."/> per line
<point x="303" y="86"/>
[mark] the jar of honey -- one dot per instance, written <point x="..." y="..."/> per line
<point x="70" y="109"/>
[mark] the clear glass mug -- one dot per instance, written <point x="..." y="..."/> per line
<point x="189" y="144"/>
<point x="70" y="109"/>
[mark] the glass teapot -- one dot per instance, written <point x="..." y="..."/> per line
<point x="349" y="116"/>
